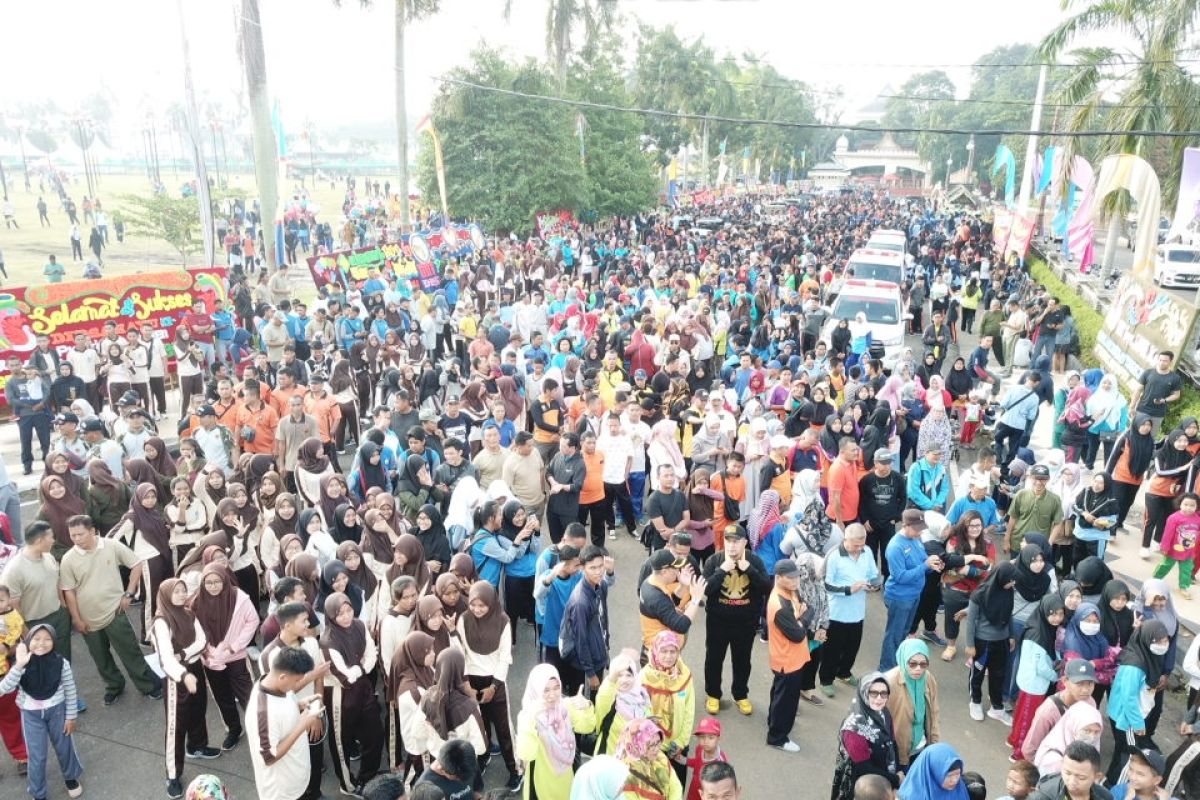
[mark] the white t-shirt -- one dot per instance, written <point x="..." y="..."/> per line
<point x="639" y="435"/>
<point x="269" y="719"/>
<point x="616" y="449"/>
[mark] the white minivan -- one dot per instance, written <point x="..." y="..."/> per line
<point x="879" y="303"/>
<point x="1177" y="265"/>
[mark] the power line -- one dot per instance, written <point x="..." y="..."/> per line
<point x="815" y="125"/>
<point x="1130" y="62"/>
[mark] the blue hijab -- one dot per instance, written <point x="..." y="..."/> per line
<point x="1089" y="647"/>
<point x="928" y="770"/>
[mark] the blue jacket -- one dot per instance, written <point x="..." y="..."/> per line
<point x="223" y="320"/>
<point x="557" y="595"/>
<point x="928" y="485"/>
<point x="490" y="553"/>
<point x="583" y="638"/>
<point x="906" y="563"/>
<point x="1123" y="707"/>
<point x="986" y="508"/>
<point x="769" y="549"/>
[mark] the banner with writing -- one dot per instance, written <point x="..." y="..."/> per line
<point x="553" y="223"/>
<point x="62" y="310"/>
<point x="417" y="258"/>
<point x="1142" y="321"/>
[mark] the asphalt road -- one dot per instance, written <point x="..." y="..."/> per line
<point x="121" y="746"/>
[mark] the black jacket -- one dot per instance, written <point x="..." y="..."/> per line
<point x="1051" y="788"/>
<point x="736" y="604"/>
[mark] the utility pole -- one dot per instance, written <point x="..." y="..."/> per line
<point x="24" y="162"/>
<point x="1031" y="142"/>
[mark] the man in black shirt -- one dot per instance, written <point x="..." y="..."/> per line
<point x="666" y="509"/>
<point x="455" y="424"/>
<point x="1048" y="325"/>
<point x="736" y="585"/>
<point x="1158" y="388"/>
<point x="565" y="478"/>
<point x="404" y="416"/>
<point x="881" y="494"/>
<point x="455" y="771"/>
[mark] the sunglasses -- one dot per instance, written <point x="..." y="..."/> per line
<point x="879" y="693"/>
<point x="918" y="663"/>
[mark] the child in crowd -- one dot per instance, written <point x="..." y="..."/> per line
<point x="45" y="689"/>
<point x="708" y="751"/>
<point x="1021" y="779"/>
<point x="1179" y="542"/>
<point x="12" y="627"/>
<point x="972" y="416"/>
<point x="1143" y="776"/>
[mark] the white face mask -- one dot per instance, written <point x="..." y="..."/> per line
<point x="1089" y="628"/>
<point x="1160" y="649"/>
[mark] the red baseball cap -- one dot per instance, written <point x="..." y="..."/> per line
<point x="709" y="725"/>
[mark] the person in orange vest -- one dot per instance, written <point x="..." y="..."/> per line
<point x="787" y="642"/>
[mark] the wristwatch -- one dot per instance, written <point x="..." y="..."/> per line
<point x="130" y="595"/>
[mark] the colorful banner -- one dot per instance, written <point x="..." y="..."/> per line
<point x="1135" y="174"/>
<point x="1002" y="220"/>
<point x="1187" y="208"/>
<point x="1081" y="230"/>
<point x="554" y="223"/>
<point x="417" y="258"/>
<point x="426" y="126"/>
<point x="1021" y="234"/>
<point x="1005" y="158"/>
<point x="61" y="310"/>
<point x="1142" y="321"/>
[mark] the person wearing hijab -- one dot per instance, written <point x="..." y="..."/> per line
<point x="187" y="518"/>
<point x="145" y="531"/>
<point x="107" y="498"/>
<point x="210" y="548"/>
<point x="360" y="575"/>
<point x="45" y="687"/>
<point x="913" y="703"/>
<point x="1084" y="638"/>
<point x="178" y="639"/>
<point x="486" y="638"/>
<point x="230" y="621"/>
<point x="318" y="541"/>
<point x="283" y="521"/>
<point x="408" y="558"/>
<point x="1155" y="602"/>
<point x="620" y="699"/>
<point x="335" y="579"/>
<point x="936" y="774"/>
<point x="755" y="448"/>
<point x="1081" y="722"/>
<point x="601" y="778"/>
<point x="1109" y="413"/>
<point x="958" y="381"/>
<point x="352" y="711"/>
<point x="430" y="531"/>
<point x="810" y="587"/>
<point x="1075" y="422"/>
<point x="460" y="513"/>
<point x="672" y="692"/>
<point x="242" y="542"/>
<point x="1139" y="679"/>
<point x="409" y="676"/>
<point x="393" y="622"/>
<point x="1116" y="616"/>
<point x="1172" y="461"/>
<point x="936" y="432"/>
<point x="346" y="527"/>
<point x="449" y="709"/>
<point x="1036" y="673"/>
<point x="368" y="472"/>
<point x="1095" y="511"/>
<point x="546" y="729"/>
<point x="766" y="529"/>
<point x="987" y="631"/>
<point x="415" y="489"/>
<point x="58" y="505"/>
<point x="650" y="774"/>
<point x="431" y="617"/>
<point x="312" y="468"/>
<point x="209" y="488"/>
<point x="159" y="458"/>
<point x="59" y="464"/>
<point x="866" y="744"/>
<point x="305" y="568"/>
<point x="812" y="531"/>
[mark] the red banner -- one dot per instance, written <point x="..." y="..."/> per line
<point x="1021" y="234"/>
<point x="415" y="258"/>
<point x="554" y="223"/>
<point x="61" y="310"/>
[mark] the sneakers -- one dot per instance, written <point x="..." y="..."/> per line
<point x="515" y="779"/>
<point x="933" y="638"/>
<point x="1144" y="552"/>
<point x="827" y="690"/>
<point x="354" y="791"/>
<point x="612" y="534"/>
<point x="22" y="767"/>
<point x="850" y="680"/>
<point x="111" y="697"/>
<point x="812" y="697"/>
<point x="156" y="694"/>
<point x="976" y="711"/>
<point x="788" y="747"/>
<point x="744" y="706"/>
<point x="1186" y="594"/>
<point x="231" y="740"/>
<point x="74" y="789"/>
<point x="712" y="705"/>
<point x="174" y="789"/>
<point x="1000" y="716"/>
<point x="204" y="752"/>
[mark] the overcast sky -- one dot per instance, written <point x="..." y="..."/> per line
<point x="334" y="65"/>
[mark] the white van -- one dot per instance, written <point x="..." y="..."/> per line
<point x="879" y="302"/>
<point x="874" y="264"/>
<point x="1177" y="265"/>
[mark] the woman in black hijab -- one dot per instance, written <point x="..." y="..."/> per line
<point x="431" y="533"/>
<point x="989" y="617"/>
<point x="1139" y="670"/>
<point x="839" y="339"/>
<point x="1093" y="575"/>
<point x="346" y="526"/>
<point x="958" y="380"/>
<point x="1127" y="463"/>
<point x="831" y="436"/>
<point x="349" y="692"/>
<point x="1172" y="460"/>
<point x="368" y="472"/>
<point x="336" y="577"/>
<point x="927" y="368"/>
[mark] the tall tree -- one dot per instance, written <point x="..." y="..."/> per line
<point x="1155" y="90"/>
<point x="266" y="150"/>
<point x="507" y="158"/>
<point x="562" y="17"/>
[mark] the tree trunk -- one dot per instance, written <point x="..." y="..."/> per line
<point x="562" y="46"/>
<point x="203" y="196"/>
<point x="266" y="151"/>
<point x="1110" y="246"/>
<point x="402" y="115"/>
<point x="704" y="155"/>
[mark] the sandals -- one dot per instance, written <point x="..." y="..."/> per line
<point x="949" y="653"/>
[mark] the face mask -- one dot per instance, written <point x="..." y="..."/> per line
<point x="1160" y="649"/>
<point x="1089" y="628"/>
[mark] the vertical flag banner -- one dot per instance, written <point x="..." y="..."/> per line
<point x="1187" y="208"/>
<point x="426" y="125"/>
<point x="1005" y="158"/>
<point x="1136" y="175"/>
<point x="746" y="162"/>
<point x="1047" y="170"/>
<point x="1081" y="230"/>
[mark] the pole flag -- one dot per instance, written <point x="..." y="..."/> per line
<point x="426" y="126"/>
<point x="580" y="127"/>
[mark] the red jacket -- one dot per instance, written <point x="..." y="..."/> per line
<point x="641" y="354"/>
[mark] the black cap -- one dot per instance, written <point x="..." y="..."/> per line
<point x="206" y="411"/>
<point x="130" y="398"/>
<point x="661" y="559"/>
<point x="93" y="424"/>
<point x="1039" y="471"/>
<point x="67" y="416"/>
<point x="735" y="532"/>
<point x="786" y="568"/>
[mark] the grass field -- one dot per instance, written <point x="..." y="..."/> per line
<point x="27" y="250"/>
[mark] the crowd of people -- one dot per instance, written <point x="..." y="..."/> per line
<point x="376" y="497"/>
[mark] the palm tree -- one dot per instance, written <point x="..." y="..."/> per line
<point x="561" y="19"/>
<point x="406" y="11"/>
<point x="266" y="152"/>
<point x="1154" y="90"/>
